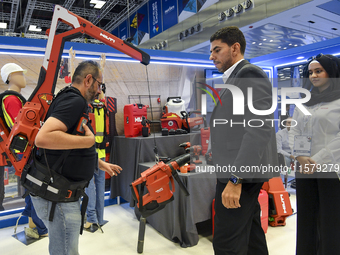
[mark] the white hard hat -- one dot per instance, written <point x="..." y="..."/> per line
<point x="9" y="68"/>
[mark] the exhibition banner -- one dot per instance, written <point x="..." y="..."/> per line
<point x="123" y="32"/>
<point x="133" y="28"/>
<point x="155" y="18"/>
<point x="115" y="32"/>
<point x="202" y="4"/>
<point x="169" y="11"/>
<point x="143" y="28"/>
<point x="186" y="8"/>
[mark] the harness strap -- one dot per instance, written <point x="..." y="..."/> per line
<point x="83" y="209"/>
<point x="52" y="211"/>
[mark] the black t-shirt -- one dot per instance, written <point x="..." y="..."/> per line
<point x="80" y="163"/>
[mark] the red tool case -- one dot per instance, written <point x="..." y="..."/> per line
<point x="133" y="114"/>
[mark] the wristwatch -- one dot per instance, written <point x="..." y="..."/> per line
<point x="235" y="180"/>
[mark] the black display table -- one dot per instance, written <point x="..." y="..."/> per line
<point x="129" y="152"/>
<point x="177" y="221"/>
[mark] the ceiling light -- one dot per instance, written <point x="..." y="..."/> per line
<point x="230" y="12"/>
<point x="279" y="47"/>
<point x="301" y="57"/>
<point x="221" y="16"/>
<point x="290" y="44"/>
<point x="34" y="28"/>
<point x="253" y="42"/>
<point x="260" y="43"/>
<point x="98" y="3"/>
<point x="3" y="25"/>
<point x="271" y="40"/>
<point x="264" y="39"/>
<point x="164" y="43"/>
<point x="248" y="4"/>
<point x="285" y="48"/>
<point x="295" y="45"/>
<point x="239" y="8"/>
<point x="198" y="28"/>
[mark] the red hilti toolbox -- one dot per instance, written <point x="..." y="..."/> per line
<point x="205" y="135"/>
<point x="133" y="114"/>
<point x="263" y="200"/>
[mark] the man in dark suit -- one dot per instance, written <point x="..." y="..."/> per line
<point x="243" y="148"/>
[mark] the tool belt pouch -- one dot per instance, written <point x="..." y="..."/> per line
<point x="50" y="185"/>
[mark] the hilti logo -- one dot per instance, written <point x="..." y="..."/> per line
<point x="283" y="203"/>
<point x="107" y="37"/>
<point x="159" y="190"/>
<point x="138" y="119"/>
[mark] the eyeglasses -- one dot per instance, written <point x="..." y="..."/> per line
<point x="101" y="85"/>
<point x="315" y="57"/>
<point x="319" y="56"/>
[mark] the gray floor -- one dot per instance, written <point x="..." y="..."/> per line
<point x="120" y="238"/>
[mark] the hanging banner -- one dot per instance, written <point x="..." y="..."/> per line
<point x="115" y="32"/>
<point x="202" y="4"/>
<point x="143" y="28"/>
<point x="123" y="32"/>
<point x="155" y="22"/>
<point x="169" y="11"/>
<point x="186" y="8"/>
<point x="133" y="28"/>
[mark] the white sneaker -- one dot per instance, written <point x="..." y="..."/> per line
<point x="33" y="233"/>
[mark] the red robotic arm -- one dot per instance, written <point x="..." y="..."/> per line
<point x="33" y="113"/>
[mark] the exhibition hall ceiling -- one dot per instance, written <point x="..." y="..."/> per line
<point x="310" y="22"/>
<point x="21" y="14"/>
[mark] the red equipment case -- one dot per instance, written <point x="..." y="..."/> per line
<point x="279" y="202"/>
<point x="263" y="200"/>
<point x="133" y="114"/>
<point x="205" y="135"/>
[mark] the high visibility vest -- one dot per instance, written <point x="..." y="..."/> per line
<point x="99" y="116"/>
<point x="6" y="119"/>
<point x="5" y="114"/>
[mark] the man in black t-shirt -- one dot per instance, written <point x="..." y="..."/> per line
<point x="55" y="137"/>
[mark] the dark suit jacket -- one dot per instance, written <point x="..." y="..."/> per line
<point x="241" y="146"/>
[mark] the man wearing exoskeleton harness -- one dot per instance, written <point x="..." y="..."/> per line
<point x="56" y="136"/>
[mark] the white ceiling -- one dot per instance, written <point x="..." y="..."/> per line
<point x="287" y="29"/>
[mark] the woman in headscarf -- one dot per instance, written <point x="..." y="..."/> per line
<point x="315" y="141"/>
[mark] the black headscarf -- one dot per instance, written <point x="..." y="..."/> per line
<point x="331" y="65"/>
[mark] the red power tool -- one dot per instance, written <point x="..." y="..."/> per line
<point x="156" y="179"/>
<point x="194" y="152"/>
